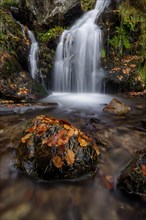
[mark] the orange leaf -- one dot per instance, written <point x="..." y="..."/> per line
<point x="53" y="139"/>
<point x="45" y="141"/>
<point x="31" y="129"/>
<point x="70" y="132"/>
<point x="67" y="127"/>
<point x="70" y="157"/>
<point x="143" y="168"/>
<point x="57" y="161"/>
<point x="82" y="142"/>
<point x="41" y="129"/>
<point x="76" y="132"/>
<point x="96" y="149"/>
<point x="25" y="138"/>
<point x="62" y="141"/>
<point x="109" y="182"/>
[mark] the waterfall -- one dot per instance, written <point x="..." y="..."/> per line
<point x="33" y="55"/>
<point x="76" y="67"/>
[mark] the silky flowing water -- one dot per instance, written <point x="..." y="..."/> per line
<point x="23" y="198"/>
<point x="77" y="64"/>
<point x="33" y="55"/>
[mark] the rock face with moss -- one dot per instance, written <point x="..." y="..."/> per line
<point x="49" y="13"/>
<point x="52" y="149"/>
<point x="123" y="54"/>
<point x="133" y="178"/>
<point x="15" y="82"/>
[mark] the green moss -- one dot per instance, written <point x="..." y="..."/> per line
<point x="10" y="32"/>
<point x="51" y="34"/>
<point x="8" y="3"/>
<point x="142" y="73"/>
<point x="103" y="53"/>
<point x="88" y="4"/>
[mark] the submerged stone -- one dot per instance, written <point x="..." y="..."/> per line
<point x="116" y="107"/>
<point x="52" y="149"/>
<point x="133" y="178"/>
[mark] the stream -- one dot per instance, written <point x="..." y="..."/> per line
<point x="21" y="197"/>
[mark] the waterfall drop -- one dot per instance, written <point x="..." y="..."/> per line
<point x="33" y="55"/>
<point x="76" y="67"/>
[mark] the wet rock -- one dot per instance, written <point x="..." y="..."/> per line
<point x="15" y="81"/>
<point x="40" y="14"/>
<point x="133" y="178"/>
<point x="121" y="56"/>
<point x="116" y="107"/>
<point x="143" y="122"/>
<point x="52" y="149"/>
<point x="16" y="84"/>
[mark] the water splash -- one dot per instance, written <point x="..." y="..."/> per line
<point x="33" y="55"/>
<point x="77" y="67"/>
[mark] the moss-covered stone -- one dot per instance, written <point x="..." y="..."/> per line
<point x="133" y="178"/>
<point x="52" y="149"/>
<point x="12" y="38"/>
<point x="124" y="26"/>
<point x="15" y="83"/>
<point x="88" y="4"/>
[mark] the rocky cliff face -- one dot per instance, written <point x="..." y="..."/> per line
<point x="49" y="13"/>
<point x="15" y="82"/>
<point x="123" y="55"/>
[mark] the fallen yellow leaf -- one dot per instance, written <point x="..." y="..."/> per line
<point x="25" y="138"/>
<point x="82" y="142"/>
<point x="57" y="161"/>
<point x="70" y="157"/>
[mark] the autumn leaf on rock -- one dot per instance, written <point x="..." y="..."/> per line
<point x="53" y="139"/>
<point x="143" y="168"/>
<point x="109" y="182"/>
<point x="57" y="161"/>
<point x="96" y="149"/>
<point x="76" y="132"/>
<point x="45" y="141"/>
<point x="70" y="157"/>
<point x="32" y="129"/>
<point x="25" y="138"/>
<point x="70" y="132"/>
<point x="82" y="142"/>
<point x="67" y="127"/>
<point x="41" y="129"/>
<point x="63" y="141"/>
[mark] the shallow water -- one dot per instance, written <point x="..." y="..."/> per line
<point x="91" y="199"/>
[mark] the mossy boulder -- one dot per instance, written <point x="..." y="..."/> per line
<point x="15" y="83"/>
<point x="133" y="178"/>
<point x="123" y="55"/>
<point x="52" y="149"/>
<point x="12" y="39"/>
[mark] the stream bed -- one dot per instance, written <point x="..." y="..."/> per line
<point x="21" y="197"/>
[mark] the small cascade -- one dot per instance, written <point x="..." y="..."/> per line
<point x="77" y="67"/>
<point x="33" y="55"/>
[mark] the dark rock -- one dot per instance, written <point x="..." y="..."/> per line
<point x="16" y="84"/>
<point x="42" y="14"/>
<point x="143" y="122"/>
<point x="133" y="178"/>
<point x="122" y="57"/>
<point x="116" y="107"/>
<point x="15" y="81"/>
<point x="13" y="40"/>
<point x="52" y="149"/>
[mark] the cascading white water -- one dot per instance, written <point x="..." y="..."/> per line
<point x="76" y="67"/>
<point x="33" y="55"/>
